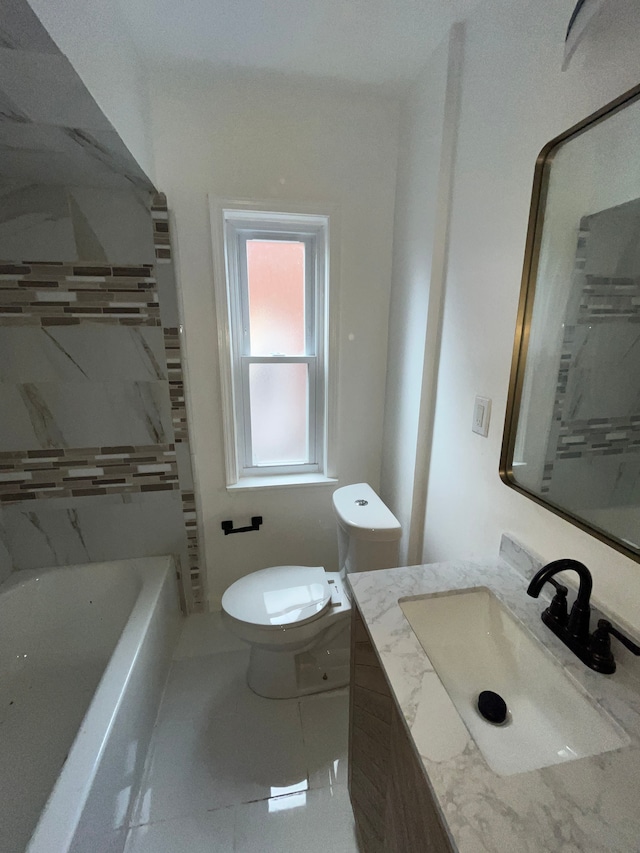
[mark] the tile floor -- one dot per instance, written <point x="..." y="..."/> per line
<point x="231" y="772"/>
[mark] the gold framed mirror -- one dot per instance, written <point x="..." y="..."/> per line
<point x="572" y="430"/>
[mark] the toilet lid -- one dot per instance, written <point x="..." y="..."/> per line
<point x="280" y="595"/>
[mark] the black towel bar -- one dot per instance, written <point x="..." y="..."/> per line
<point x="227" y="526"/>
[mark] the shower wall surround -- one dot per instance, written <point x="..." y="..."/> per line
<point x="593" y="452"/>
<point x="94" y="448"/>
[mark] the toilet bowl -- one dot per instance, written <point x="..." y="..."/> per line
<point x="285" y="613"/>
<point x="296" y="619"/>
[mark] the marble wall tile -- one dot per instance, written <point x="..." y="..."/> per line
<point x="48" y="89"/>
<point x="93" y="529"/>
<point x="35" y="223"/>
<point x="119" y="222"/>
<point x="595" y="482"/>
<point x="41" y="167"/>
<point x="52" y="131"/>
<point x="29" y="136"/>
<point x="603" y="377"/>
<point x="107" y="157"/>
<point x="66" y="224"/>
<point x="612" y="246"/>
<point x="9" y="110"/>
<point x="34" y="153"/>
<point x="77" y="353"/>
<point x="83" y="414"/>
<point x="21" y="29"/>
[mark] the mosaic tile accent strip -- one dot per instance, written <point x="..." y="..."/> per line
<point x="84" y="472"/>
<point x="176" y="384"/>
<point x="161" y="236"/>
<point x="193" y="549"/>
<point x="68" y="294"/>
<point x="599" y="437"/>
<point x="609" y="300"/>
<point x="173" y="353"/>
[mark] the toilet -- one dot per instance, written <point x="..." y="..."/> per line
<point x="296" y="619"/>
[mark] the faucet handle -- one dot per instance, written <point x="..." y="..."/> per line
<point x="557" y="610"/>
<point x="605" y="625"/>
<point x="600" y="646"/>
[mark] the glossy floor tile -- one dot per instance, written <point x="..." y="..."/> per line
<point x="205" y="634"/>
<point x="231" y="771"/>
<point x="324" y="720"/>
<point x="204" y="832"/>
<point x="311" y="822"/>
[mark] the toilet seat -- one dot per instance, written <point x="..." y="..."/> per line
<point x="279" y="596"/>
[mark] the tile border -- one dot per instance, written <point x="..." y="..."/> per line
<point x="82" y="472"/>
<point x="46" y="294"/>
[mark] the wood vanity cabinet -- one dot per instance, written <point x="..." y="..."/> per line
<point x="392" y="803"/>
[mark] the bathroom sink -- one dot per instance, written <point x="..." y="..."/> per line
<point x="475" y="645"/>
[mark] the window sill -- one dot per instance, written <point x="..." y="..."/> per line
<point x="281" y="481"/>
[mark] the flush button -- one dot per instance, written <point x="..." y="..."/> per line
<point x="362" y="502"/>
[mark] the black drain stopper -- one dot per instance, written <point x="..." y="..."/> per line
<point x="492" y="707"/>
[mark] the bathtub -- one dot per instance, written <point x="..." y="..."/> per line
<point x="84" y="653"/>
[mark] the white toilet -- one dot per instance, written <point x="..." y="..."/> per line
<point x="296" y="618"/>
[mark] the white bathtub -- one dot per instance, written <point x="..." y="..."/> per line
<point x="84" y="653"/>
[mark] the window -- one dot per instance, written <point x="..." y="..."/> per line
<point x="275" y="300"/>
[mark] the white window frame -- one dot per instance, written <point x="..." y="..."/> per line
<point x="233" y="223"/>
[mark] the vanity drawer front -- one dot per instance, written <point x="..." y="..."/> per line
<point x="389" y="792"/>
<point x="376" y="704"/>
<point x="412" y="819"/>
<point x="375" y="728"/>
<point x="369" y="737"/>
<point x="365" y="654"/>
<point x="371" y="678"/>
<point x="371" y="755"/>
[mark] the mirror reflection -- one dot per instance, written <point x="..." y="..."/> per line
<point x="573" y="430"/>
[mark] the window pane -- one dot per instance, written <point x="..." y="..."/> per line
<point x="279" y="413"/>
<point x="275" y="272"/>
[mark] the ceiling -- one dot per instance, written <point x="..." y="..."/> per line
<point x="380" y="42"/>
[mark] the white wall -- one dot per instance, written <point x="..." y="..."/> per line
<point x="238" y="137"/>
<point x="92" y="35"/>
<point x="414" y="228"/>
<point x="514" y="99"/>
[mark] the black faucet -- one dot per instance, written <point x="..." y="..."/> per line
<point x="573" y="629"/>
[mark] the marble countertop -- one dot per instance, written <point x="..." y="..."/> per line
<point x="581" y="806"/>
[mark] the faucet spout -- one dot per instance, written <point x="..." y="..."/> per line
<point x="547" y="572"/>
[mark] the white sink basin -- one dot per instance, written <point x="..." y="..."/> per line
<point x="475" y="644"/>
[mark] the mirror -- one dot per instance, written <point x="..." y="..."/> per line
<point x="572" y="431"/>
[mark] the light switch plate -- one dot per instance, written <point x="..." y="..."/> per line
<point x="481" y="416"/>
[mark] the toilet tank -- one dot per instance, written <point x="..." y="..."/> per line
<point x="368" y="532"/>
